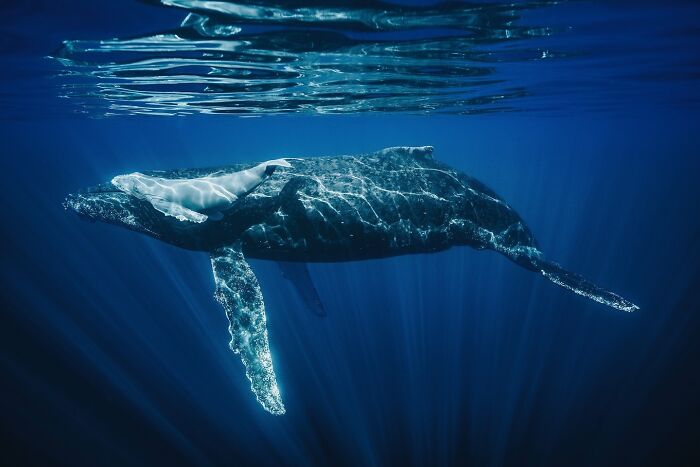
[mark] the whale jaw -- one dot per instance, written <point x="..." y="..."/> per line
<point x="105" y="203"/>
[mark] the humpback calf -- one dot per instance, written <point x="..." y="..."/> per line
<point x="393" y="202"/>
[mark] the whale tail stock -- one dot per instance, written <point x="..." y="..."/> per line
<point x="579" y="285"/>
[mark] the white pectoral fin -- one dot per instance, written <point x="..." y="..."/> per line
<point x="243" y="182"/>
<point x="238" y="292"/>
<point x="175" y="210"/>
<point x="278" y="163"/>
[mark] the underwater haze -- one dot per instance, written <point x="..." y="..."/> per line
<point x="584" y="116"/>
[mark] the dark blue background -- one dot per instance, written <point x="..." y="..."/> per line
<point x="114" y="352"/>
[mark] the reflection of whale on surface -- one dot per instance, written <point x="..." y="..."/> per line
<point x="392" y="202"/>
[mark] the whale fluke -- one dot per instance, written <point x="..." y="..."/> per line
<point x="238" y="292"/>
<point x="579" y="285"/>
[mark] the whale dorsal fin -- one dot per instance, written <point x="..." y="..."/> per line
<point x="238" y="292"/>
<point x="419" y="152"/>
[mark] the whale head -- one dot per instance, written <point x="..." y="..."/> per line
<point x="121" y="202"/>
<point x="116" y="205"/>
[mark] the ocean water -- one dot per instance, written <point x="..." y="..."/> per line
<point x="583" y="116"/>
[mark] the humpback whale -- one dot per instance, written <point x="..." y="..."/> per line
<point x="327" y="209"/>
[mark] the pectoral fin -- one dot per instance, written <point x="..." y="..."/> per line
<point x="278" y="163"/>
<point x="298" y="275"/>
<point x="238" y="291"/>
<point x="175" y="210"/>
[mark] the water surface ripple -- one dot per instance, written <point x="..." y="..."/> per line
<point x="313" y="57"/>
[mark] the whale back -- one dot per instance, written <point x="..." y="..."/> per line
<point x="395" y="201"/>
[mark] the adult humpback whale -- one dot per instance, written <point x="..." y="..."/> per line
<point x="392" y="202"/>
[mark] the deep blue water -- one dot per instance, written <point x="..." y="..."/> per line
<point x="115" y="353"/>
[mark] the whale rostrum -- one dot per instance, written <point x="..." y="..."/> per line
<point x="327" y="209"/>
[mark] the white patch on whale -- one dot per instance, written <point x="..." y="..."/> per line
<point x="196" y="199"/>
